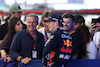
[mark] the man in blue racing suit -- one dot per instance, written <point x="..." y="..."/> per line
<point x="59" y="45"/>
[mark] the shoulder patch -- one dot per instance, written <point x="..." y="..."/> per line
<point x="47" y="42"/>
<point x="51" y="37"/>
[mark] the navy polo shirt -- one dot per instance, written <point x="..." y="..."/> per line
<point x="22" y="45"/>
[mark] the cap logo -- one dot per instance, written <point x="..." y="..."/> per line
<point x="60" y="20"/>
<point x="55" y="19"/>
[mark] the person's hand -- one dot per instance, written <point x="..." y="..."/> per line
<point x="92" y="27"/>
<point x="7" y="59"/>
<point x="26" y="60"/>
<point x="50" y="65"/>
<point x="3" y="54"/>
<point x="97" y="25"/>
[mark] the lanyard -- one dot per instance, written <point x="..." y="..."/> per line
<point x="46" y="35"/>
<point x="34" y="45"/>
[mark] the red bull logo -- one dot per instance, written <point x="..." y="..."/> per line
<point x="67" y="43"/>
<point x="66" y="50"/>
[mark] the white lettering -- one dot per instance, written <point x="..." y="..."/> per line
<point x="67" y="57"/>
<point x="51" y="37"/>
<point x="66" y="36"/>
<point x="65" y="32"/>
<point x="61" y="55"/>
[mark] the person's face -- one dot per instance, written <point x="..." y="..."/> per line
<point x="52" y="26"/>
<point x="18" y="14"/>
<point x="45" y="23"/>
<point x="18" y="26"/>
<point x="68" y="24"/>
<point x="31" y="23"/>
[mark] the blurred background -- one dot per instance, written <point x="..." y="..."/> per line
<point x="87" y="8"/>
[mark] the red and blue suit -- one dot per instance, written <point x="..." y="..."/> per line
<point x="60" y="47"/>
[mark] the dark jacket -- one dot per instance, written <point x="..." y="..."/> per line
<point x="59" y="46"/>
<point x="3" y="30"/>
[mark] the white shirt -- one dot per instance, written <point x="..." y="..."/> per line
<point x="91" y="50"/>
<point x="96" y="39"/>
<point x="42" y="30"/>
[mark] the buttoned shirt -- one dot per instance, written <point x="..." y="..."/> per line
<point x="22" y="45"/>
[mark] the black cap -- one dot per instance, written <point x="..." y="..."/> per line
<point x="55" y="17"/>
<point x="79" y="19"/>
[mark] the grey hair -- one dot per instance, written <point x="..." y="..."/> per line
<point x="33" y="15"/>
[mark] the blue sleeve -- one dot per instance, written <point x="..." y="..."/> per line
<point x="15" y="46"/>
<point x="49" y="45"/>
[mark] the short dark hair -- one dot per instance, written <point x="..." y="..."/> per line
<point x="79" y="19"/>
<point x="67" y="15"/>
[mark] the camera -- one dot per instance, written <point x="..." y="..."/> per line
<point x="95" y="20"/>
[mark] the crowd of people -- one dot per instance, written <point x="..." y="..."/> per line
<point x="57" y="40"/>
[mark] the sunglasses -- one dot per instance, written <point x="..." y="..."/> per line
<point x="45" y="20"/>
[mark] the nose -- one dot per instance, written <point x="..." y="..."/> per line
<point x="66" y="24"/>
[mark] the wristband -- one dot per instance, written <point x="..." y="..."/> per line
<point x="21" y="59"/>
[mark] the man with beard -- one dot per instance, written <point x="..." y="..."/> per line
<point x="59" y="45"/>
<point x="68" y="25"/>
